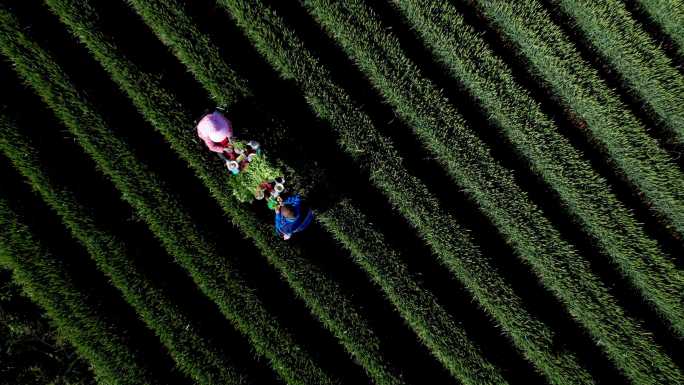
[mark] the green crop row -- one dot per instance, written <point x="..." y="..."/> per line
<point x="165" y="216"/>
<point x="669" y="15"/>
<point x="202" y="57"/>
<point x="158" y="104"/>
<point x="433" y="324"/>
<point x="520" y="118"/>
<point x="443" y="336"/>
<point x="47" y="282"/>
<point x="642" y="65"/>
<point x="468" y="161"/>
<point x="194" y="355"/>
<point x="553" y="58"/>
<point x="441" y="231"/>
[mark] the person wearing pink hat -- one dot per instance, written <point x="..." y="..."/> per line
<point x="217" y="133"/>
<point x="215" y="130"/>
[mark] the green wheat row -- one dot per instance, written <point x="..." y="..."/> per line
<point x="553" y="58"/>
<point x="47" y="282"/>
<point x="641" y="64"/>
<point x="319" y="291"/>
<point x="166" y="217"/>
<point x="535" y="136"/>
<point x="467" y="160"/>
<point x="443" y="337"/>
<point x="194" y="354"/>
<point x="669" y="15"/>
<point x="358" y="137"/>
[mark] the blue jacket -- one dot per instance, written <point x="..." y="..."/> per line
<point x="300" y="222"/>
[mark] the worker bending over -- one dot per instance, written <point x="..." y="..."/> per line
<point x="291" y="217"/>
<point x="217" y="133"/>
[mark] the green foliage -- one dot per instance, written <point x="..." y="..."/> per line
<point x="31" y="350"/>
<point x="642" y="65"/>
<point x="669" y="15"/>
<point x="441" y="231"/>
<point x="553" y="58"/>
<point x="47" y="282"/>
<point x="438" y="331"/>
<point x="245" y="183"/>
<point x="322" y="294"/>
<point x="194" y="354"/>
<point x="520" y="118"/>
<point x="434" y="326"/>
<point x="468" y="161"/>
<point x="440" y="335"/>
<point x="374" y="48"/>
<point x="165" y="216"/>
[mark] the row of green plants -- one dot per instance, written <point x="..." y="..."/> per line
<point x="669" y="16"/>
<point x="46" y="280"/>
<point x="320" y="292"/>
<point x="519" y="117"/>
<point x="207" y="71"/>
<point x="164" y="214"/>
<point x="555" y="61"/>
<point x="430" y="321"/>
<point x="441" y="231"/>
<point x="435" y="327"/>
<point x="194" y="354"/>
<point x="641" y="64"/>
<point x="32" y="350"/>
<point x="467" y="160"/>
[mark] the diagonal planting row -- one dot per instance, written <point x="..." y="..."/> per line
<point x="430" y="321"/>
<point x="321" y="293"/>
<point x="194" y="354"/>
<point x="553" y="58"/>
<point x="434" y="326"/>
<point x="669" y="15"/>
<point x="454" y="354"/>
<point x="468" y="161"/>
<point x="643" y="66"/>
<point x="161" y="211"/>
<point x="520" y="118"/>
<point x="48" y="283"/>
<point x="406" y="193"/>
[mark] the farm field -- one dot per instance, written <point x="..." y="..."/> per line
<point x="497" y="187"/>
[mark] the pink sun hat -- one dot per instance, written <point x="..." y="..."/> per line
<point x="214" y="128"/>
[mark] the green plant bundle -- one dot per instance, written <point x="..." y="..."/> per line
<point x="449" y="241"/>
<point x="247" y="181"/>
<point x="444" y="338"/>
<point x="669" y="15"/>
<point x="47" y="282"/>
<point x="165" y="216"/>
<point x="196" y="356"/>
<point x="555" y="61"/>
<point x="642" y="65"/>
<point x="520" y="118"/>
<point x="322" y="294"/>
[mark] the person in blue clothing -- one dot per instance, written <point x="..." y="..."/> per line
<point x="291" y="217"/>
